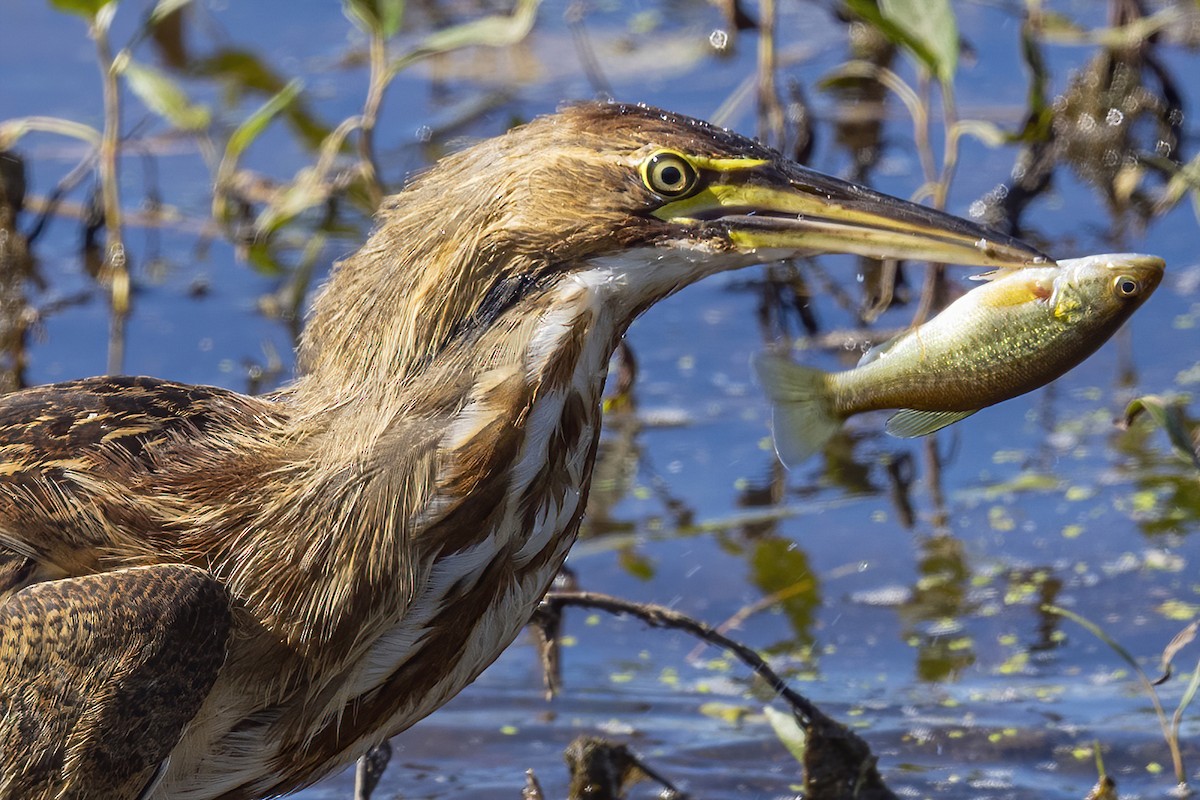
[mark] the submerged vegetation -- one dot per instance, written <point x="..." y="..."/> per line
<point x="241" y="148"/>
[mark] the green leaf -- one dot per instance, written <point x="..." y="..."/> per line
<point x="870" y="13"/>
<point x="243" y="136"/>
<point x="380" y="17"/>
<point x="932" y="23"/>
<point x="498" y="30"/>
<point x="165" y="97"/>
<point x="1189" y="694"/>
<point x="83" y="8"/>
<point x="925" y="28"/>
<point x="989" y="133"/>
<point x="165" y="8"/>
<point x="1168" y="416"/>
<point x="254" y="124"/>
<point x="1096" y="631"/>
<point x="13" y="129"/>
<point x="1177" y="643"/>
<point x="310" y="187"/>
<point x="788" y="729"/>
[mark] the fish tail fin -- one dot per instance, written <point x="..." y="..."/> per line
<point x="802" y="415"/>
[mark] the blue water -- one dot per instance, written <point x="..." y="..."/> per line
<point x="926" y="638"/>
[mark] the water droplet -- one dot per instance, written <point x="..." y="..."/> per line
<point x="1114" y="117"/>
<point x="719" y="40"/>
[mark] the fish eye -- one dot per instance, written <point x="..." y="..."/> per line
<point x="668" y="174"/>
<point x="1126" y="286"/>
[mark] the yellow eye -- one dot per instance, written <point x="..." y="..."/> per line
<point x="1125" y="286"/>
<point x="668" y="174"/>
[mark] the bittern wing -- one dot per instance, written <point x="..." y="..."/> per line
<point x="99" y="675"/>
<point x="78" y="468"/>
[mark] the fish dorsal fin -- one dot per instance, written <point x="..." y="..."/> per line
<point x="910" y="423"/>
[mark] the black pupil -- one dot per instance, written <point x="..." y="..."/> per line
<point x="1128" y="287"/>
<point x="671" y="176"/>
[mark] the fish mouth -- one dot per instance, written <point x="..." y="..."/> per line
<point x="781" y="206"/>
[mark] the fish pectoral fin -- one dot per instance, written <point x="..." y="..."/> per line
<point x="910" y="423"/>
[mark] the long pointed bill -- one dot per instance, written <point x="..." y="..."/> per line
<point x="781" y="206"/>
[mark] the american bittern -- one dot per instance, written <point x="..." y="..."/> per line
<point x="213" y="595"/>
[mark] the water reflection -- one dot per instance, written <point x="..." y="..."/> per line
<point x="16" y="268"/>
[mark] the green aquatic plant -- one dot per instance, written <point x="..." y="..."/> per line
<point x="1170" y="727"/>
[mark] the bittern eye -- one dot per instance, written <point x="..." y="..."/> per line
<point x="1126" y="286"/>
<point x="668" y="174"/>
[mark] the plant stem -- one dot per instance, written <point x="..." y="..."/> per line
<point x="379" y="80"/>
<point x="770" y="112"/>
<point x="115" y="268"/>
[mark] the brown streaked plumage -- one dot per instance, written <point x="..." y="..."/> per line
<point x="355" y="549"/>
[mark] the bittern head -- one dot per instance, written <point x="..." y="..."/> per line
<point x="652" y="200"/>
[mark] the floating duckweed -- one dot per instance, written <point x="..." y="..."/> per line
<point x="1083" y="753"/>
<point x="1178" y="610"/>
<point x="1016" y="663"/>
<point x="1020" y="592"/>
<point x="1077" y="493"/>
<point x="999" y="519"/>
<point x="726" y="712"/>
<point x="1145" y="500"/>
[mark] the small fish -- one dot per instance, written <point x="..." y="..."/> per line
<point x="1015" y="333"/>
